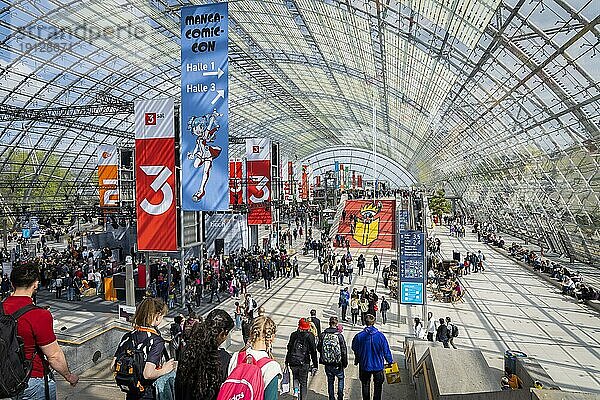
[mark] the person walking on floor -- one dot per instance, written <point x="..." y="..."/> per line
<point x="442" y="334"/>
<point x="431" y="326"/>
<point x="370" y="349"/>
<point x="385" y="306"/>
<point x="375" y="264"/>
<point x="419" y="331"/>
<point x="354" y="306"/>
<point x="343" y="302"/>
<point x="301" y="349"/>
<point x="364" y="308"/>
<point x="334" y="356"/>
<point x="452" y="332"/>
<point x="361" y="264"/>
<point x="214" y="288"/>
<point x="316" y="321"/>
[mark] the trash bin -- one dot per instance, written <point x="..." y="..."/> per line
<point x="510" y="361"/>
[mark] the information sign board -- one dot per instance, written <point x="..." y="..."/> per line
<point x="412" y="267"/>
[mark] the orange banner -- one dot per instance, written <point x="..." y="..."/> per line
<point x="108" y="175"/>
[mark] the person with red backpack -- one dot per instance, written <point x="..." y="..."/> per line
<point x="20" y="321"/>
<point x="253" y="374"/>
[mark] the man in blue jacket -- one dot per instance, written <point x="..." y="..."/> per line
<point x="370" y="348"/>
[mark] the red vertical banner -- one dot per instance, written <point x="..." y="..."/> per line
<point x="155" y="175"/>
<point x="359" y="181"/>
<point x="235" y="183"/>
<point x="258" y="172"/>
<point x="318" y="180"/>
<point x="353" y="180"/>
<point x="304" y="191"/>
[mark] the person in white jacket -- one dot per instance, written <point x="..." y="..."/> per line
<point x="419" y="331"/>
<point x="431" y="326"/>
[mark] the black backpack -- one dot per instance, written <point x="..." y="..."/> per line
<point x="129" y="368"/>
<point x="454" y="332"/>
<point x="15" y="369"/>
<point x="299" y="352"/>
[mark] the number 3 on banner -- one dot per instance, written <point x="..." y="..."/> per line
<point x="162" y="173"/>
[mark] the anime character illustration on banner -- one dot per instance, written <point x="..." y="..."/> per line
<point x="367" y="225"/>
<point x="205" y="127"/>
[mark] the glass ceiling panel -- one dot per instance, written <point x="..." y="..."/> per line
<point x="446" y="82"/>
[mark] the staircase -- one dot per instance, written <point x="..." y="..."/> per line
<point x="338" y="216"/>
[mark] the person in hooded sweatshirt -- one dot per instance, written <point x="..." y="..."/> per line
<point x="370" y="348"/>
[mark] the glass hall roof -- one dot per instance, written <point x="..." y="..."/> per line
<point x="494" y="100"/>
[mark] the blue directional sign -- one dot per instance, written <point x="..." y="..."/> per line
<point x="412" y="292"/>
<point x="412" y="267"/>
<point x="204" y="108"/>
<point x="402" y="219"/>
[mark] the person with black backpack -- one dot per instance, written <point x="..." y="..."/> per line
<point x="334" y="356"/>
<point x="138" y="361"/>
<point x="301" y="349"/>
<point x="452" y="331"/>
<point x="28" y="344"/>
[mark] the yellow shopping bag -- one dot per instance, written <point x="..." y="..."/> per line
<point x="392" y="373"/>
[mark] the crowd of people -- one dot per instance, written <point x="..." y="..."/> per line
<point x="70" y="273"/>
<point x="441" y="330"/>
<point x="206" y="371"/>
<point x="572" y="283"/>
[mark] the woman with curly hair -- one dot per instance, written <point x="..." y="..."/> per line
<point x="203" y="365"/>
<point x="260" y="345"/>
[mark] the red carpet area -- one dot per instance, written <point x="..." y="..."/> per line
<point x="374" y="226"/>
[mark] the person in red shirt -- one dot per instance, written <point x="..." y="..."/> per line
<point x="36" y="329"/>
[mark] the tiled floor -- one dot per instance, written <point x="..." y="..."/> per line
<point x="507" y="307"/>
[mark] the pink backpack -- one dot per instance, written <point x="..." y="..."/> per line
<point x="245" y="381"/>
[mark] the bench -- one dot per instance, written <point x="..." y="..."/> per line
<point x="595" y="304"/>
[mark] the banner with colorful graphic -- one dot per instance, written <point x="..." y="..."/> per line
<point x="258" y="173"/>
<point x="374" y="226"/>
<point x="155" y="175"/>
<point x="235" y="183"/>
<point x="108" y="175"/>
<point x="204" y="108"/>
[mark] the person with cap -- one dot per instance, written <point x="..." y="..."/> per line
<point x="301" y="350"/>
<point x="370" y="349"/>
<point x="334" y="355"/>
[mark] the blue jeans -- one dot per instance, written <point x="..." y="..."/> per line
<point x="70" y="293"/>
<point x="332" y="373"/>
<point x="35" y="390"/>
